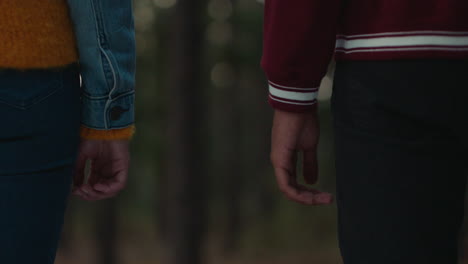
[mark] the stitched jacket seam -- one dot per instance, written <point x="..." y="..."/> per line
<point x="100" y="31"/>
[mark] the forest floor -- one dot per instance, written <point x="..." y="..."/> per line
<point x="133" y="252"/>
<point x="130" y="252"/>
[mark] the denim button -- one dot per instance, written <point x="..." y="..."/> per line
<point x="116" y="112"/>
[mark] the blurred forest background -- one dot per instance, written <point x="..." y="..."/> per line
<point x="201" y="189"/>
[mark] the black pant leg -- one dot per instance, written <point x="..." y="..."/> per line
<point x="401" y="172"/>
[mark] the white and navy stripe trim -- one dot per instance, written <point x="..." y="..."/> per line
<point x="403" y="41"/>
<point x="293" y="95"/>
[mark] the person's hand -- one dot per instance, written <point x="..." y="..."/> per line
<point x="293" y="133"/>
<point x="109" y="168"/>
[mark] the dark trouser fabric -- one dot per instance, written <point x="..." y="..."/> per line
<point x="39" y="137"/>
<point x="401" y="142"/>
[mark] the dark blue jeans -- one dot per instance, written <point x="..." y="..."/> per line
<point x="401" y="139"/>
<point x="39" y="137"/>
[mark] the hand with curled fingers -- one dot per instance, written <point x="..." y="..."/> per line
<point x="108" y="175"/>
<point x="295" y="133"/>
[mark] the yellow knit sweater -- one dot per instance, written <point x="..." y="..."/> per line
<point x="39" y="34"/>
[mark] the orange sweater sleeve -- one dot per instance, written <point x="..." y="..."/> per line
<point x="111" y="134"/>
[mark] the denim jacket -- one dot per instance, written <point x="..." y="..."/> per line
<point x="105" y="35"/>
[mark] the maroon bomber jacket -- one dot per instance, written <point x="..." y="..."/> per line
<point x="301" y="37"/>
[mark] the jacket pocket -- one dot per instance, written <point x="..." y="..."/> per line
<point x="23" y="89"/>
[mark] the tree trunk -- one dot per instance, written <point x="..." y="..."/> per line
<point x="186" y="183"/>
<point x="230" y="105"/>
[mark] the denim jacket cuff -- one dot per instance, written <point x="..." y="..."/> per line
<point x="108" y="113"/>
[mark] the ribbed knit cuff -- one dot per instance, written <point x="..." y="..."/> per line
<point x="111" y="134"/>
<point x="292" y="99"/>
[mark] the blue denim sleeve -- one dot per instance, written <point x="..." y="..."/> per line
<point x="105" y="35"/>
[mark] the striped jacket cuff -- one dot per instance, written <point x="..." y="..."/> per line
<point x="292" y="99"/>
